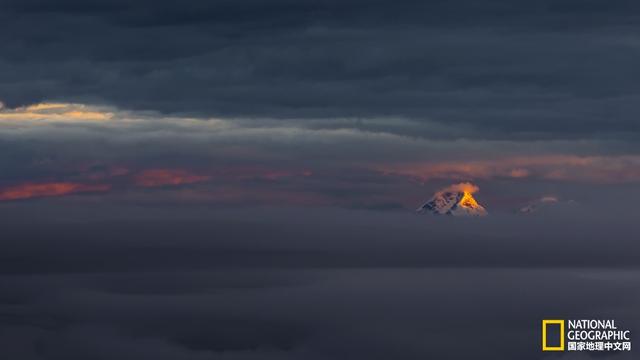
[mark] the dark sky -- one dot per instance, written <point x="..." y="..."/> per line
<point x="236" y="179"/>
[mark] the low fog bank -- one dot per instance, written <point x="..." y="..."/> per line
<point x="201" y="283"/>
<point x="197" y="237"/>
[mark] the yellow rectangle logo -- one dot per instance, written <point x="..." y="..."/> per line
<point x="546" y="323"/>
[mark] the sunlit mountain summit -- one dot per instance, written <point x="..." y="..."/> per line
<point x="455" y="200"/>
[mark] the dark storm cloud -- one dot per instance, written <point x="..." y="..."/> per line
<point x="556" y="68"/>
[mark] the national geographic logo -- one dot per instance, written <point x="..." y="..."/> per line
<point x="584" y="335"/>
<point x="557" y="341"/>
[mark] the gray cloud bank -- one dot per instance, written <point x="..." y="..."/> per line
<point x="248" y="161"/>
<point x="550" y="69"/>
<point x="339" y="285"/>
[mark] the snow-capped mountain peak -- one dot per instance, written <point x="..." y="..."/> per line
<point x="456" y="200"/>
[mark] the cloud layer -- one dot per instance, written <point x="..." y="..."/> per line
<point x="58" y="149"/>
<point x="176" y="283"/>
<point x="505" y="68"/>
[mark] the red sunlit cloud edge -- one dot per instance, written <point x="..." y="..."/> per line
<point x="31" y="190"/>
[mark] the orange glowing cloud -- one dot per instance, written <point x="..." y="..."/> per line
<point x="48" y="189"/>
<point x="167" y="177"/>
<point x="466" y="187"/>
<point x="55" y="112"/>
<point x="598" y="169"/>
